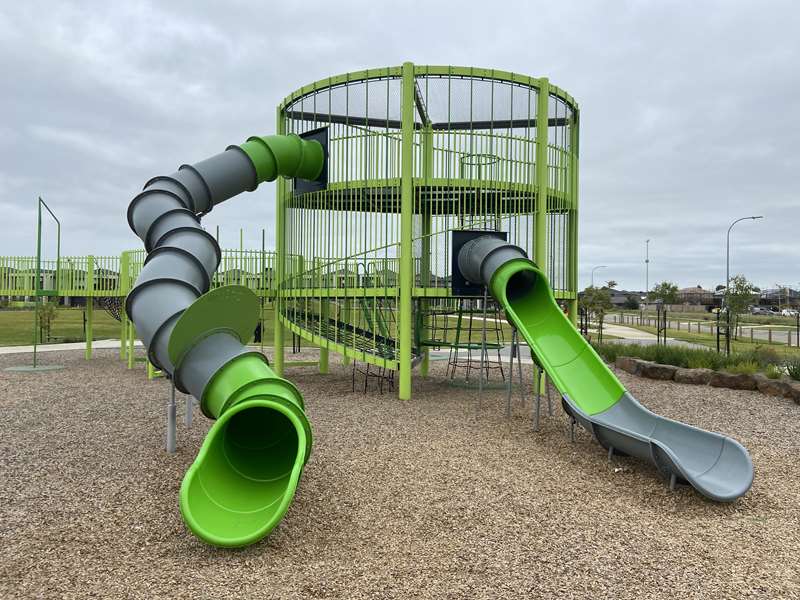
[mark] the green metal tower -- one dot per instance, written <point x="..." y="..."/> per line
<point x="416" y="152"/>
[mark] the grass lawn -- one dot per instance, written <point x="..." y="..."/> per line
<point x="16" y="326"/>
<point x="705" y="339"/>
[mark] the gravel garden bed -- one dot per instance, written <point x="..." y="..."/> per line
<point x="432" y="498"/>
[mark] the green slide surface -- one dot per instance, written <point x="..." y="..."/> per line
<point x="572" y="364"/>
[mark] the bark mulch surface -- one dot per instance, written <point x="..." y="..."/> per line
<point x="432" y="498"/>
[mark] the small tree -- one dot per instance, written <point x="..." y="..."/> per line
<point x="611" y="284"/>
<point x="739" y="295"/>
<point x="597" y="302"/>
<point x="665" y="291"/>
<point x="631" y="302"/>
<point x="47" y="314"/>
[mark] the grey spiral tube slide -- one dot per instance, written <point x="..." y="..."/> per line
<point x="198" y="338"/>
<point x="715" y="465"/>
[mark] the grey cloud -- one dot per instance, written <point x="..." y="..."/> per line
<point x="689" y="111"/>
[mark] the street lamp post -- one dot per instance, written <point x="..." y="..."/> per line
<point x="728" y="282"/>
<point x="647" y="267"/>
<point x="728" y="254"/>
<point x="594" y="269"/>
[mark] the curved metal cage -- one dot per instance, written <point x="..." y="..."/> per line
<point x="416" y="152"/>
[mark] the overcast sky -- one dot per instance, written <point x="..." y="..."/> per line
<point x="690" y="112"/>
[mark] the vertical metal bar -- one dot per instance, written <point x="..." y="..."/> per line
<point x="538" y="402"/>
<point x="540" y="218"/>
<point x="280" y="257"/>
<point x="484" y="372"/>
<point x="406" y="231"/>
<point x="89" y="335"/>
<point x="189" y="409"/>
<point x="171" y="420"/>
<point x="131" y="341"/>
<point x="37" y="282"/>
<point x="509" y="382"/>
<point x="263" y="295"/>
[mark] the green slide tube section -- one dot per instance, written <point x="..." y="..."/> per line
<point x="715" y="465"/>
<point x="246" y="473"/>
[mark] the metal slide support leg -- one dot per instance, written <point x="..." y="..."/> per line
<point x="549" y="399"/>
<point x="509" y="383"/>
<point x="131" y="344"/>
<point x="673" y="479"/>
<point x="484" y="353"/>
<point x="572" y="429"/>
<point x="519" y="373"/>
<point x="610" y="453"/>
<point x="538" y="401"/>
<point x="171" y="420"/>
<point x="189" y="410"/>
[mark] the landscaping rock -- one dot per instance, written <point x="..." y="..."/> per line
<point x="793" y="389"/>
<point x="653" y="370"/>
<point x="774" y="387"/>
<point x="734" y="381"/>
<point x="629" y="364"/>
<point x="693" y="376"/>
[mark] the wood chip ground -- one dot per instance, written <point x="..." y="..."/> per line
<point x="432" y="498"/>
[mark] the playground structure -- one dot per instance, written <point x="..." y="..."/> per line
<point x="415" y="152"/>
<point x="383" y="168"/>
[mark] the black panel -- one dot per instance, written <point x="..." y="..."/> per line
<point x="459" y="285"/>
<point x="303" y="186"/>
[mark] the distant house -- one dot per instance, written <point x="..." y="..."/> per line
<point x="782" y="297"/>
<point x="620" y="297"/>
<point x="696" y="295"/>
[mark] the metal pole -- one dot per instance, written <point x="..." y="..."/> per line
<point x="405" y="321"/>
<point x="484" y="353"/>
<point x="89" y="334"/>
<point x="728" y="255"/>
<point x="537" y="404"/>
<point x="509" y="385"/>
<point x="280" y="257"/>
<point x="647" y="267"/>
<point x="37" y="282"/>
<point x="263" y="290"/>
<point x="542" y="174"/>
<point x="171" y="421"/>
<point x="189" y="409"/>
<point x="594" y="269"/>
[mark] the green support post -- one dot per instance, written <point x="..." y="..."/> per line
<point x="405" y="321"/>
<point x="347" y="310"/>
<point x="280" y="255"/>
<point x="124" y="288"/>
<point x="425" y="258"/>
<point x="88" y="333"/>
<point x="324" y="314"/>
<point x="131" y="340"/>
<point x="540" y="219"/>
<point x="573" y="219"/>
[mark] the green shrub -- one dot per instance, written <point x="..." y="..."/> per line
<point x="749" y="362"/>
<point x="761" y="355"/>
<point x="748" y="367"/>
<point x="773" y="372"/>
<point x="793" y="368"/>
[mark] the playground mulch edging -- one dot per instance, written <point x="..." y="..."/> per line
<point x="430" y="498"/>
<point x="782" y="388"/>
